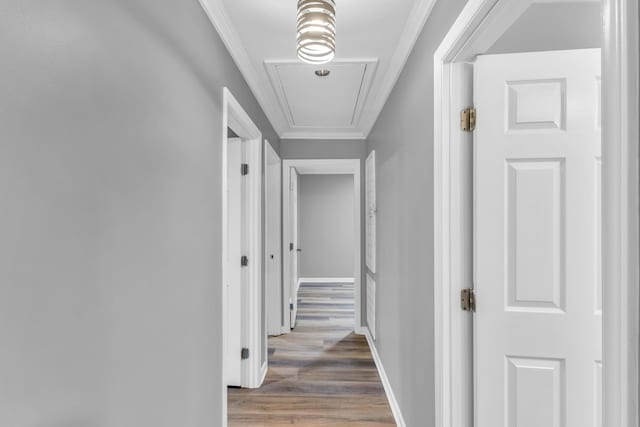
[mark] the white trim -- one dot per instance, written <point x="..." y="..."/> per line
<point x="327" y="280"/>
<point x="253" y="316"/>
<point x="480" y="22"/>
<point x="391" y="397"/>
<point x="234" y="116"/>
<point x="620" y="213"/>
<point x="327" y="167"/>
<point x="259" y="82"/>
<point x="223" y="273"/>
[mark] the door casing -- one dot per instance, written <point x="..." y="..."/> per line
<point x="478" y="26"/>
<point x="253" y="369"/>
<point x="293" y="254"/>
<point x="324" y="167"/>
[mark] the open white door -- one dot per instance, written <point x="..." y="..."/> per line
<point x="294" y="249"/>
<point x="235" y="191"/>
<point x="538" y="334"/>
<point x="273" y="242"/>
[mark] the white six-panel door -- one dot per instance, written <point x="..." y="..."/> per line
<point x="537" y="338"/>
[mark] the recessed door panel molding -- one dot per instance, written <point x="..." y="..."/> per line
<point x="536" y="104"/>
<point x="535" y="230"/>
<point x="332" y="103"/>
<point x="535" y="393"/>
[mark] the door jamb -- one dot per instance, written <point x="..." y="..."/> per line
<point x="480" y="23"/>
<point x="324" y="167"/>
<point x="234" y="116"/>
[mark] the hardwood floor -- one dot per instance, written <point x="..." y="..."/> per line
<point x="321" y="374"/>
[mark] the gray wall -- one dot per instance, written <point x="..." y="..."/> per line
<point x="110" y="295"/>
<point x="323" y="149"/>
<point x="553" y="26"/>
<point x="403" y="140"/>
<point x="326" y="226"/>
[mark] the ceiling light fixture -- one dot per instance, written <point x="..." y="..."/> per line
<point x="316" y="31"/>
<point x="322" y="73"/>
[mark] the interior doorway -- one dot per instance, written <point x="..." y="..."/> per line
<point x="244" y="343"/>
<point x="273" y="240"/>
<point x="541" y="260"/>
<point x="293" y="171"/>
<point x="537" y="256"/>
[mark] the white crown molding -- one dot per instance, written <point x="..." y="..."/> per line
<point x="412" y="30"/>
<point x="268" y="99"/>
<point x="218" y="16"/>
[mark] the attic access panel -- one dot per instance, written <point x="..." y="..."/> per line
<point x="333" y="101"/>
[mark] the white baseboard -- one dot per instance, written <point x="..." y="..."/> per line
<point x="395" y="408"/>
<point x="326" y="280"/>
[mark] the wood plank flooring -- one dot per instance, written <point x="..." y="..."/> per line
<point x="321" y="374"/>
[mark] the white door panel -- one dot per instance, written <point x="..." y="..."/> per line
<point x="537" y="255"/>
<point x="273" y="244"/>
<point x="233" y="363"/>
<point x="370" y="201"/>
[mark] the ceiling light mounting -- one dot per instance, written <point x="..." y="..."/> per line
<point x="316" y="31"/>
<point x="323" y="73"/>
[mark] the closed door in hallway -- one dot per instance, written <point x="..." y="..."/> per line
<point x="538" y="332"/>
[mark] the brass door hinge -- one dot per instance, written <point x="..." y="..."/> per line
<point x="467" y="300"/>
<point x="468" y="119"/>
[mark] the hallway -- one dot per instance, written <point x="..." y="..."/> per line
<point x="321" y="374"/>
<point x="319" y="213"/>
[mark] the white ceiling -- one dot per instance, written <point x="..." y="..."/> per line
<point x="374" y="39"/>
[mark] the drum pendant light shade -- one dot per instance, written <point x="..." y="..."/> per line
<point x="316" y="31"/>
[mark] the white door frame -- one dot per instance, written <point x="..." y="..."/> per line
<point x="479" y="25"/>
<point x="253" y="371"/>
<point x="273" y="328"/>
<point x="323" y="167"/>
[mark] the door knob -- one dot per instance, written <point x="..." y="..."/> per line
<point x="299" y="250"/>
